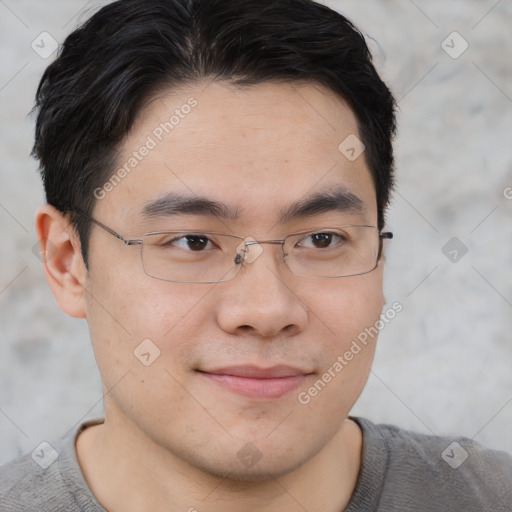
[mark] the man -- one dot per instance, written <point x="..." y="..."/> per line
<point x="217" y="176"/>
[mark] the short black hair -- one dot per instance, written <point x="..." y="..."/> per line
<point x="128" y="51"/>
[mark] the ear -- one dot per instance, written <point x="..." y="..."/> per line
<point x="63" y="265"/>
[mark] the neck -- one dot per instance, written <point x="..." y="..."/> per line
<point x="127" y="472"/>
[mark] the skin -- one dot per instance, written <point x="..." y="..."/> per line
<point x="170" y="437"/>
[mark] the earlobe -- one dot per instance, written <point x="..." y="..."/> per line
<point x="63" y="264"/>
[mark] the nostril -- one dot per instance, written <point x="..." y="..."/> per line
<point x="290" y="329"/>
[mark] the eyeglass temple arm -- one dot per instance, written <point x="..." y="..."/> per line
<point x="382" y="236"/>
<point x="106" y="228"/>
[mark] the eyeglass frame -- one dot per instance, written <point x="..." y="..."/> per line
<point x="238" y="260"/>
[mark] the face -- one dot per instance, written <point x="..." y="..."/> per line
<point x="233" y="388"/>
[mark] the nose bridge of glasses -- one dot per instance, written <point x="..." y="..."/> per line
<point x="250" y="249"/>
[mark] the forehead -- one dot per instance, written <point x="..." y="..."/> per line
<point x="254" y="148"/>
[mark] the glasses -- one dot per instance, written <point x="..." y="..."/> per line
<point x="191" y="256"/>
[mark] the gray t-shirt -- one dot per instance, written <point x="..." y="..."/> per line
<point x="400" y="471"/>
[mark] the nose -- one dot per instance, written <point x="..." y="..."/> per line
<point x="261" y="299"/>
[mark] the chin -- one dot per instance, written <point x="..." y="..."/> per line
<point x="260" y="472"/>
<point x="251" y="465"/>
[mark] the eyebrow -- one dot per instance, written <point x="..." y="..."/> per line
<point x="175" y="204"/>
<point x="170" y="204"/>
<point x="339" y="200"/>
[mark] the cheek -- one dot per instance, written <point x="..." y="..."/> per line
<point x="127" y="300"/>
<point x="348" y="317"/>
<point x="125" y="309"/>
<point x="348" y="306"/>
<point x="144" y="343"/>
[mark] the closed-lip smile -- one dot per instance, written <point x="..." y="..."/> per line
<point x="256" y="382"/>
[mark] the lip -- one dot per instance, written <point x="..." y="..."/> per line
<point x="255" y="382"/>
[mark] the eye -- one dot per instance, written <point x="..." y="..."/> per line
<point x="321" y="240"/>
<point x="196" y="243"/>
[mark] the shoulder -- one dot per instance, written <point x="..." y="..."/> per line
<point x="24" y="485"/>
<point x="436" y="472"/>
<point x="426" y="446"/>
<point x="48" y="480"/>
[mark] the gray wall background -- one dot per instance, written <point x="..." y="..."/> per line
<point x="443" y="365"/>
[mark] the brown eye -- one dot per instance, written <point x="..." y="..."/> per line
<point x="320" y="240"/>
<point x="188" y="242"/>
<point x="196" y="242"/>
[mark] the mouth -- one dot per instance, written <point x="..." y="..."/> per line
<point x="255" y="382"/>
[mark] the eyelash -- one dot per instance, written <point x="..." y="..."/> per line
<point x="338" y="237"/>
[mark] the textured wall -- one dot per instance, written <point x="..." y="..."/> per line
<point x="444" y="363"/>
